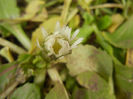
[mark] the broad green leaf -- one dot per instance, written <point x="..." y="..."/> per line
<point x="85" y="32"/>
<point x="49" y="26"/>
<point x="83" y="93"/>
<point x="104" y="22"/>
<point x="58" y="92"/>
<point x="84" y="58"/>
<point x="124" y="78"/>
<point x="7" y="72"/>
<point x="8" y="9"/>
<point x="70" y="83"/>
<point x="27" y="91"/>
<point x="123" y="36"/>
<point x="96" y="86"/>
<point x="88" y="18"/>
<point x="80" y="93"/>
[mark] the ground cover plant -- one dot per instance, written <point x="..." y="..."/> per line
<point x="66" y="49"/>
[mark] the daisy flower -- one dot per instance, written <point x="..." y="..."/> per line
<point x="60" y="42"/>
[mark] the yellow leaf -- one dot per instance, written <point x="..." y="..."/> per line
<point x="117" y="19"/>
<point x="33" y="8"/>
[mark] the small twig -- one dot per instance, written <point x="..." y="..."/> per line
<point x="111" y="5"/>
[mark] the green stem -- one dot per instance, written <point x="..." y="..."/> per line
<point x="21" y="36"/>
<point x="101" y="41"/>
<point x="54" y="75"/>
<point x="65" y="11"/>
<point x="51" y="3"/>
<point x="104" y="44"/>
<point x="111" y="85"/>
<point x="12" y="46"/>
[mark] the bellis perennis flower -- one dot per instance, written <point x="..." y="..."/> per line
<point x="60" y="42"/>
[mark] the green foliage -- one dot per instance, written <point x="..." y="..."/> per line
<point x="124" y="82"/>
<point x="91" y="59"/>
<point x="9" y="10"/>
<point x="85" y="32"/>
<point x="104" y="22"/>
<point x="56" y="92"/>
<point x="7" y="72"/>
<point x="96" y="69"/>
<point x="96" y="86"/>
<point x="27" y="91"/>
<point x="123" y="36"/>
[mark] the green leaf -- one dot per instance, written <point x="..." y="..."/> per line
<point x="7" y="72"/>
<point x="58" y="92"/>
<point x="8" y="9"/>
<point x="124" y="78"/>
<point x="88" y="18"/>
<point x="70" y="83"/>
<point x="84" y="58"/>
<point x="80" y="93"/>
<point x="96" y="86"/>
<point x="4" y="32"/>
<point x="123" y="36"/>
<point x="104" y="22"/>
<point x="27" y="91"/>
<point x="74" y="22"/>
<point x="85" y="32"/>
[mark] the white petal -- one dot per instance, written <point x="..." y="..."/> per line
<point x="77" y="42"/>
<point x="66" y="31"/>
<point x="75" y="34"/>
<point x="44" y="32"/>
<point x="65" y="48"/>
<point x="57" y="32"/>
<point x="49" y="45"/>
<point x="57" y="27"/>
<point x="38" y="44"/>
